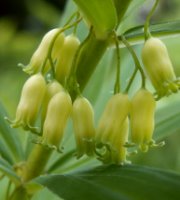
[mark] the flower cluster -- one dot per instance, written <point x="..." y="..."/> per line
<point x="55" y="52"/>
<point x="46" y="96"/>
<point x="125" y="122"/>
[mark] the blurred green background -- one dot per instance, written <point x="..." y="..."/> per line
<point x="22" y="25"/>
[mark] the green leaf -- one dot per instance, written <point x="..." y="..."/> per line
<point x="134" y="5"/>
<point x="5" y="153"/>
<point x="7" y="169"/>
<point x="135" y="35"/>
<point x="121" y="6"/>
<point x="10" y="136"/>
<point x="100" y="14"/>
<point x="61" y="160"/>
<point x="167" y="120"/>
<point x="115" y="183"/>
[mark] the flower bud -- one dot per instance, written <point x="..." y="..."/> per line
<point x="142" y="118"/>
<point x="31" y="99"/>
<point x="52" y="88"/>
<point x="159" y="67"/>
<point x="41" y="52"/>
<point x="83" y="122"/>
<point x="64" y="63"/>
<point x="58" y="112"/>
<point x="112" y="127"/>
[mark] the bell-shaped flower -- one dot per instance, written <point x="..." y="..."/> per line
<point x="31" y="99"/>
<point x="142" y="119"/>
<point x="159" y="67"/>
<point x="39" y="60"/>
<point x="113" y="126"/>
<point x="58" y="112"/>
<point x="52" y="88"/>
<point x="65" y="60"/>
<point x="83" y="123"/>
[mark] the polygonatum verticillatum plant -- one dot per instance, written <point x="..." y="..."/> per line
<point x="60" y="68"/>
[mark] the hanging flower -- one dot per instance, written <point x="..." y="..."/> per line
<point x="52" y="88"/>
<point x="40" y="55"/>
<point x="64" y="62"/>
<point x="83" y="122"/>
<point x="142" y="119"/>
<point x="58" y="112"/>
<point x="31" y="99"/>
<point x="159" y="67"/>
<point x="112" y="130"/>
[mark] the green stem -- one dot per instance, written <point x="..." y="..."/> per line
<point x="89" y="56"/>
<point x="75" y="27"/>
<point x="71" y="18"/>
<point x="147" y="33"/>
<point x="117" y="86"/>
<point x="136" y="61"/>
<point x="72" y="83"/>
<point x="36" y="162"/>
<point x="93" y="49"/>
<point x="52" y="66"/>
<point x="131" y="80"/>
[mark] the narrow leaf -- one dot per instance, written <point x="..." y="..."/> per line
<point x="9" y="135"/>
<point x="134" y="5"/>
<point x="135" y="35"/>
<point x="121" y="6"/>
<point x="7" y="169"/>
<point x="61" y="160"/>
<point x="5" y="153"/>
<point x="167" y="120"/>
<point x="115" y="183"/>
